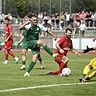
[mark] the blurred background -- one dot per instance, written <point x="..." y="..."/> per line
<point x="80" y="15"/>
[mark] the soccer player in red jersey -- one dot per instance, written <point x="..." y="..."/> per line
<point x="8" y="39"/>
<point x="63" y="46"/>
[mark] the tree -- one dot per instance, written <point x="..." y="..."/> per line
<point x="7" y="8"/>
<point x="88" y="5"/>
<point x="22" y="7"/>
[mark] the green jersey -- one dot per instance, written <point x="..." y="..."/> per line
<point x="32" y="33"/>
<point x="31" y="36"/>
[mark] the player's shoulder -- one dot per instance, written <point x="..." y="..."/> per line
<point x="63" y="37"/>
<point x="28" y="26"/>
<point x="40" y="25"/>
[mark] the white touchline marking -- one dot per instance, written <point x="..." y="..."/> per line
<point x="46" y="86"/>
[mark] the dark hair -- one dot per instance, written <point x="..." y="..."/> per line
<point x="6" y="18"/>
<point x="34" y="15"/>
<point x="31" y="15"/>
<point x="68" y="29"/>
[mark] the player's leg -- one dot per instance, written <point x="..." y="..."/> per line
<point x="89" y="76"/>
<point x="35" y="52"/>
<point x="58" y="60"/>
<point x="8" y="48"/>
<point x="11" y="53"/>
<point x="93" y="73"/>
<point x="41" y="60"/>
<point x="46" y="48"/>
<point x="87" y="71"/>
<point x="62" y="64"/>
<point x="62" y="61"/>
<point x="24" y="51"/>
<point x="23" y="67"/>
<point x="33" y="62"/>
<point x="6" y="56"/>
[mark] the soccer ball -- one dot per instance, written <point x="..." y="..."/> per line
<point x="66" y="71"/>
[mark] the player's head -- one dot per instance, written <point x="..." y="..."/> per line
<point x="34" y="19"/>
<point x="25" y="19"/>
<point x="7" y="20"/>
<point x="68" y="32"/>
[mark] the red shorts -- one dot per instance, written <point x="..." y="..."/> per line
<point x="60" y="56"/>
<point x="9" y="44"/>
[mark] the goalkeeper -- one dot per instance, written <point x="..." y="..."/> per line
<point x="89" y="71"/>
<point x="90" y="49"/>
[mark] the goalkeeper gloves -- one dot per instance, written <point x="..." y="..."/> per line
<point x="88" y="49"/>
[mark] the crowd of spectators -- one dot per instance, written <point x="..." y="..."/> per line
<point x="60" y="21"/>
<point x="14" y="19"/>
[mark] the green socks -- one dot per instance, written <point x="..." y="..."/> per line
<point x="30" y="66"/>
<point x="48" y="50"/>
<point x="23" y="62"/>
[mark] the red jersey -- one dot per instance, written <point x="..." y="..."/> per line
<point x="65" y="43"/>
<point x="9" y="43"/>
<point x="8" y="30"/>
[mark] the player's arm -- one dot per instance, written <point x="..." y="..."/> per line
<point x="75" y="51"/>
<point x="21" y="39"/>
<point x="22" y="26"/>
<point x="48" y="31"/>
<point x="53" y="35"/>
<point x="8" y="37"/>
<point x="61" y="40"/>
<point x="59" y="48"/>
<point x="11" y="33"/>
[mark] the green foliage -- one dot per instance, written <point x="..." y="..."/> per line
<point x="23" y="7"/>
<point x="88" y="5"/>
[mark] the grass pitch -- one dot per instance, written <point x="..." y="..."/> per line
<point x="13" y="83"/>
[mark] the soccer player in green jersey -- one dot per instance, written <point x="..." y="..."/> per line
<point x="24" y="51"/>
<point x="33" y="42"/>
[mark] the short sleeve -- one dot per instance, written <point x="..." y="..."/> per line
<point x="42" y="28"/>
<point x="27" y="27"/>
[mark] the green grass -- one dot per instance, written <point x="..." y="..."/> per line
<point x="11" y="77"/>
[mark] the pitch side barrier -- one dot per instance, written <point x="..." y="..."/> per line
<point x="79" y="42"/>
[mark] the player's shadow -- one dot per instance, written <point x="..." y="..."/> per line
<point x="39" y="74"/>
<point x="40" y="68"/>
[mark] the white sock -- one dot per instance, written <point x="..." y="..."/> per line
<point x="6" y="61"/>
<point x="15" y="58"/>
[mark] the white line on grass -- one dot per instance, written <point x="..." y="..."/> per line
<point x="46" y="86"/>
